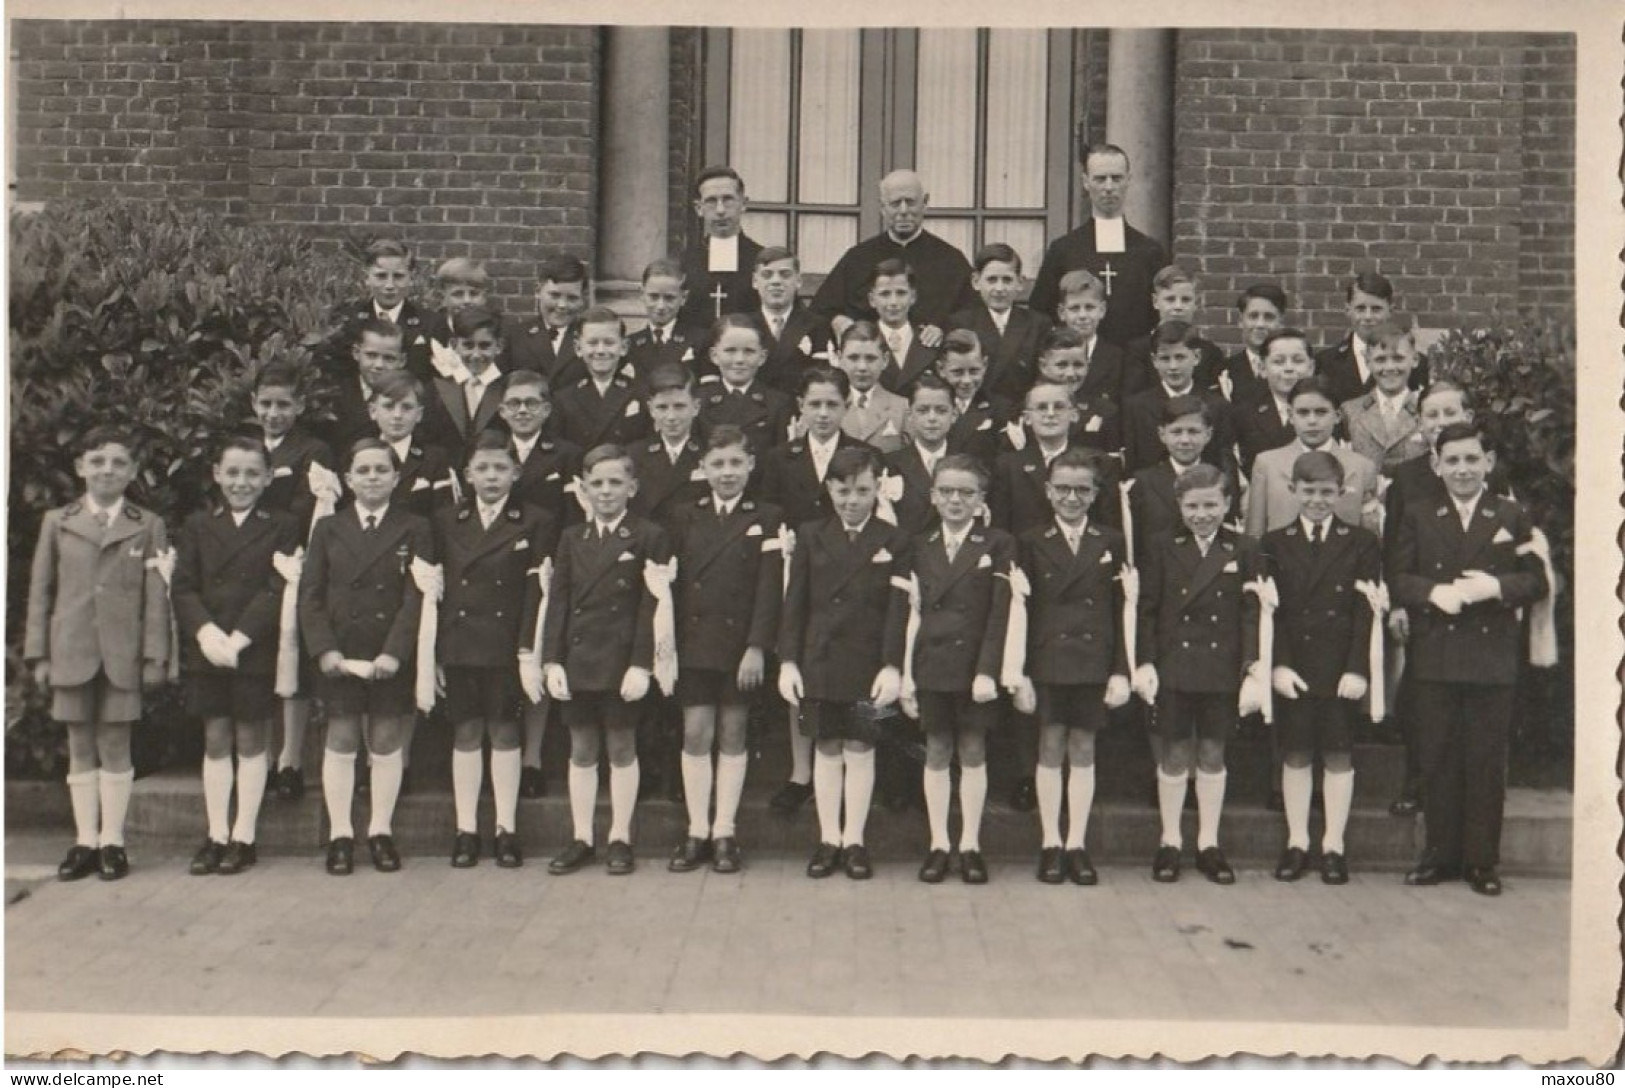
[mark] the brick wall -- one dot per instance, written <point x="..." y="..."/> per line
<point x="1306" y="157"/>
<point x="1546" y="242"/>
<point x="463" y="139"/>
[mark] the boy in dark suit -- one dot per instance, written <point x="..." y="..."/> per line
<point x="1347" y="364"/>
<point x="739" y="398"/>
<point x="1173" y="296"/>
<point x="1063" y="359"/>
<point x="1264" y="421"/>
<point x="1009" y="334"/>
<point x="667" y="339"/>
<point x="387" y="282"/>
<point x="1197" y="646"/>
<point x="978" y="418"/>
<point x="668" y="465"/>
<point x="461" y="406"/>
<point x="1174" y="354"/>
<point x="377" y="352"/>
<point x="1018" y="501"/>
<point x="892" y="296"/>
<point x="603" y="407"/>
<point x="794" y="336"/>
<point x="930" y="419"/>
<point x="1185" y="431"/>
<point x="546" y="341"/>
<point x="1082" y="307"/>
<point x="599" y="642"/>
<point x="730" y="577"/>
<point x="1324" y="570"/>
<point x="424" y="477"/>
<point x="1260" y="310"/>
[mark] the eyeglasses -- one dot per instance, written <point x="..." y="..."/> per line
<point x="1068" y="491"/>
<point x="526" y="404"/>
<point x="956" y="492"/>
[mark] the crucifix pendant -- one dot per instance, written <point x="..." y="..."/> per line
<point x="1108" y="274"/>
<point x="719" y="296"/>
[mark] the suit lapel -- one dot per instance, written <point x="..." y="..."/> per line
<point x="1059" y="556"/>
<point x="481" y="541"/>
<point x="388" y="533"/>
<point x="854" y="555"/>
<point x="1091" y="546"/>
<point x="230" y="539"/>
<point x="120" y="529"/>
<point x="601" y="556"/>
<point x="1207" y="568"/>
<point x="451" y="398"/>
<point x="971" y="551"/>
<point x="1486" y="520"/>
<point x="719" y="536"/>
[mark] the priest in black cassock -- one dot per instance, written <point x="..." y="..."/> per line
<point x="1124" y="259"/>
<point x="719" y="262"/>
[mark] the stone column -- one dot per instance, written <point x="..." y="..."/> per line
<point x="632" y="173"/>
<point x="1140" y="120"/>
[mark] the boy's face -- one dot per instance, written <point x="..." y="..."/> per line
<point x="1071" y="491"/>
<point x="1176" y="302"/>
<point x="372" y="478"/>
<point x="1105" y="178"/>
<point x="491" y="474"/>
<point x="1440" y="410"/>
<point x="107" y="471"/>
<point x="854" y="499"/>
<point x="1259" y="318"/>
<point x="1203" y="509"/>
<point x="1185" y="438"/>
<point x="1313" y="419"/>
<point x="663" y="296"/>
<point x="1392" y="363"/>
<point x="1050" y="412"/>
<point x="396" y="418"/>
<point x="1286" y="364"/>
<point x="1064" y="366"/>
<point x="610" y="486"/>
<point x="738" y="355"/>
<point x="1082" y="311"/>
<point x="957" y="495"/>
<point x="560" y="303"/>
<point x="458" y="297"/>
<point x="892" y="297"/>
<point x="1316" y="498"/>
<point x="376" y="354"/>
<point x="863" y="360"/>
<point x="1175" y="364"/>
<point x="822" y="409"/>
<point x="1463" y="465"/>
<point x="964" y="373"/>
<point x="720" y="206"/>
<point x="673" y="412"/>
<point x="242" y="478"/>
<point x="997" y="283"/>
<point x="930" y="415"/>
<point x="778" y="283"/>
<point x="277" y="408"/>
<point x="727" y="470"/>
<point x="478" y="352"/>
<point x="524" y="409"/>
<point x="1367" y="313"/>
<point x="388" y="280"/>
<point x="601" y="346"/>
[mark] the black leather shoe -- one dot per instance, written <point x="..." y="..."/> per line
<point x="726" y="856"/>
<point x="507" y="851"/>
<point x="341" y="857"/>
<point x="206" y="861"/>
<point x="618" y="859"/>
<point x="1333" y="869"/>
<point x="1405" y="806"/>
<point x="80" y="863"/>
<point x="972" y="869"/>
<point x="290" y="784"/>
<point x="791" y="796"/>
<point x="238" y="856"/>
<point x="531" y="783"/>
<point x="824" y="861"/>
<point x="1430" y="871"/>
<point x="1292" y="864"/>
<point x="1051" y="867"/>
<point x="1211" y="863"/>
<point x="1080" y="869"/>
<point x="1024" y="795"/>
<point x="115" y="863"/>
<point x="857" y="862"/>
<point x="689" y="855"/>
<point x="935" y="869"/>
<point x="1165" y="866"/>
<point x="465" y="851"/>
<point x="1484" y="880"/>
<point x="385" y="858"/>
<point x="574" y="857"/>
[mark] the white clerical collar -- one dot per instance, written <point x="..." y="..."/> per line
<point x="905" y="241"/>
<point x="1109" y="236"/>
<point x="723" y="254"/>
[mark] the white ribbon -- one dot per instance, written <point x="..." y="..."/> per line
<point x="291" y="567"/>
<point x="576" y="488"/>
<point x="911" y="586"/>
<point x="1130" y="577"/>
<point x="447" y="363"/>
<point x="1013" y="666"/>
<point x="431" y="581"/>
<point x="164" y="563"/>
<point x="1017" y="436"/>
<point x="657" y="578"/>
<point x="1127" y="507"/>
<point x="887" y="495"/>
<point x="325" y="486"/>
<point x="1542" y="617"/>
<point x="787" y="544"/>
<point x="1376" y="595"/>
<point x="1268" y="601"/>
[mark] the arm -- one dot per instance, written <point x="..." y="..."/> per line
<point x="1527" y="584"/>
<point x="556" y="627"/>
<point x="1151" y="576"/>
<point x="155" y="647"/>
<point x="186" y="592"/>
<point x="42" y="591"/>
<point x="894" y="640"/>
<point x="315" y="621"/>
<point x="657" y="548"/>
<point x="260" y="619"/>
<point x="1042" y="299"/>
<point x="767" y="602"/>
<point x="1251" y="567"/>
<point x="542" y="541"/>
<point x="403" y="632"/>
<point x="990" y="659"/>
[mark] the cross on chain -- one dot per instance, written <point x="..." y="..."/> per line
<point x="719" y="295"/>
<point x="1108" y="274"/>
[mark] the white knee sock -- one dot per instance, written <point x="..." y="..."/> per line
<point x="386" y="790"/>
<point x="338" y="790"/>
<point x="1209" y="803"/>
<point x="217" y="797"/>
<point x="467" y="772"/>
<point x="505" y="771"/>
<point x="623" y="798"/>
<point x="583" y="799"/>
<point x="115" y="790"/>
<point x="1338" y="792"/>
<point x="730" y="787"/>
<point x="1047" y="782"/>
<point x="827" y="772"/>
<point x="860" y="789"/>
<point x="1080" y="798"/>
<point x="251" y="772"/>
<point x="1171" y="802"/>
<point x="972" y="799"/>
<point x="937" y="785"/>
<point x="697" y="794"/>
<point x="84" y="790"/>
<point x="1297" y="783"/>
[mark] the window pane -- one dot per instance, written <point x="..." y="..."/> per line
<point x="768" y="228"/>
<point x="829" y="117"/>
<point x="945" y="120"/>
<point x="822" y="239"/>
<point x="759" y="94"/>
<point x="959" y="232"/>
<point x="1025" y="236"/>
<point x="1017" y="67"/>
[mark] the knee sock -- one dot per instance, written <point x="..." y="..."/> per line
<point x="1338" y="791"/>
<point x="1171" y="802"/>
<point x="84" y="790"/>
<point x="623" y="797"/>
<point x="860" y="788"/>
<point x="1297" y="783"/>
<point x="972" y="799"/>
<point x="251" y="772"/>
<point x="467" y="772"/>
<point x="505" y="769"/>
<point x="583" y="799"/>
<point x="338" y="789"/>
<point x="938" y="785"/>
<point x="730" y="786"/>
<point x="115" y="790"/>
<point x="1047" y="782"/>
<point x="217" y="797"/>
<point x="386" y="790"/>
<point x="827" y="772"/>
<point x="1080" y="798"/>
<point x="1209" y="803"/>
<point x="801" y="753"/>
<point x="697" y="794"/>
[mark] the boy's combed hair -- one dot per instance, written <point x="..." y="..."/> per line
<point x="824" y="375"/>
<point x="1077" y="457"/>
<point x="736" y="321"/>
<point x="529" y="379"/>
<point x="670" y="378"/>
<point x="397" y="385"/>
<point x="1317" y="466"/>
<point x="1044" y="383"/>
<point x="962" y="462"/>
<point x="489" y="440"/>
<point x="850" y="462"/>
<point x="711" y="173"/>
<point x="601" y="315"/>
<point x="1285" y="333"/>
<point x="1198" y="476"/>
<point x="1445" y="385"/>
<point x="997" y="252"/>
<point x="775" y="254"/>
<point x="931" y="382"/>
<point x="1170" y="275"/>
<point x="1173" y="333"/>
<point x="1463" y="430"/>
<point x="1398" y="329"/>
<point x="608" y="452"/>
<point x="107" y="434"/>
<point x="1269" y="292"/>
<point x="247" y="443"/>
<point x="961" y="342"/>
<point x="893" y="266"/>
<point x="563" y="268"/>
<point x="669" y="267"/>
<point x="1060" y="338"/>
<point x="279" y="376"/>
<point x="363" y="445"/>
<point x="863" y="332"/>
<point x="379" y="326"/>
<point x="726" y="436"/>
<point x="470" y="321"/>
<point x="1081" y="281"/>
<point x="465" y="271"/>
<point x="1177" y="408"/>
<point x="1372" y="283"/>
<point x="1312" y="386"/>
<point x="384" y="248"/>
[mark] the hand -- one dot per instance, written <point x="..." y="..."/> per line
<point x="1399" y="624"/>
<point x="1287" y="683"/>
<point x="1350" y="686"/>
<point x="384" y="666"/>
<point x="635" y="684"/>
<point x="1251" y="699"/>
<point x="1145" y="683"/>
<point x="910" y="703"/>
<point x="558" y="682"/>
<point x="440" y="681"/>
<point x="1117" y="690"/>
<point x="1447" y="599"/>
<point x="984" y="689"/>
<point x="790" y="689"/>
<point x="212" y="641"/>
<point x="1025" y="696"/>
<point x="331" y="663"/>
<point x="153" y="674"/>
<point x="530" y="677"/>
<point x="237" y="642"/>
<point x="887" y="687"/>
<point x="42" y="674"/>
<point x="1476" y="585"/>
<point x="751" y="667"/>
<point x="930" y="337"/>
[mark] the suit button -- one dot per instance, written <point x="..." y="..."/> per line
<point x="380" y="616"/>
<point x="1185" y="645"/>
<point x="577" y="612"/>
<point x="1215" y="645"/>
<point x="1065" y="636"/>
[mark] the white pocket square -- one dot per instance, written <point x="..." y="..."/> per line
<point x="697" y="476"/>
<point x="1093" y="425"/>
<point x="520" y="545"/>
<point x="282" y="470"/>
<point x="631" y="409"/>
<point x="625" y="557"/>
<point x="882" y="556"/>
<point x="419" y="484"/>
<point x="1502" y="537"/>
<point x="1231" y="568"/>
<point x="985" y="425"/>
<point x="1105" y="558"/>
<point x="984" y="563"/>
<point x="551" y="476"/>
<point x="754" y="530"/>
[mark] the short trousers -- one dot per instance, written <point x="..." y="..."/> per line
<point x="346" y="696"/>
<point x="859" y="721"/>
<point x="585" y="709"/>
<point x="476" y="693"/>
<point x="956" y="711"/>
<point x="1313" y="723"/>
<point x="233" y="695"/>
<point x="1208" y="716"/>
<point x="95" y="702"/>
<point x="710" y="687"/>
<point x="1076" y="706"/>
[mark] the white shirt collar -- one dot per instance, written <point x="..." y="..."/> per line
<point x="742" y="389"/>
<point x="1205" y="543"/>
<point x="1000" y="319"/>
<point x="1047" y="455"/>
<point x="603" y="385"/>
<point x="823" y="449"/>
<point x="724" y="506"/>
<point x="1179" y="469"/>
<point x="1189" y="390"/>
<point x="1070" y="533"/>
<point x="523" y="446"/>
<point x="607" y="528"/>
<point x="488" y="513"/>
<point x="931" y="457"/>
<point x="1384" y="402"/>
<point x="112" y="511"/>
<point x="239" y="516"/>
<point x="1467" y="508"/>
<point x="271" y="444"/>
<point x="401" y="448"/>
<point x="393" y="316"/>
<point x="362" y="515"/>
<point x="1309" y="526"/>
<point x="674" y="452"/>
<point x="955" y="540"/>
<point x="859" y="528"/>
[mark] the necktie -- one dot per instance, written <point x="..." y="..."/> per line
<point x="953" y="548"/>
<point x="863" y="401"/>
<point x="1072" y="542"/>
<point x="100" y="518"/>
<point x="473" y="391"/>
<point x="776" y="325"/>
<point x="852" y="534"/>
<point x="660" y="337"/>
<point x="370" y="524"/>
<point x="558" y="341"/>
<point x="1317" y="534"/>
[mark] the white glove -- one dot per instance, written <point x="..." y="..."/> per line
<point x="216" y="647"/>
<point x="1287" y="683"/>
<point x="530" y="676"/>
<point x="558" y="683"/>
<point x="635" y="684"/>
<point x="1025" y="696"/>
<point x="1145" y="683"/>
<point x="1117" y="690"/>
<point x="1447" y="599"/>
<point x="790" y="689"/>
<point x="984" y="689"/>
<point x="887" y="687"/>
<point x="1251" y="699"/>
<point x="1351" y="686"/>
<point x="1475" y="586"/>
